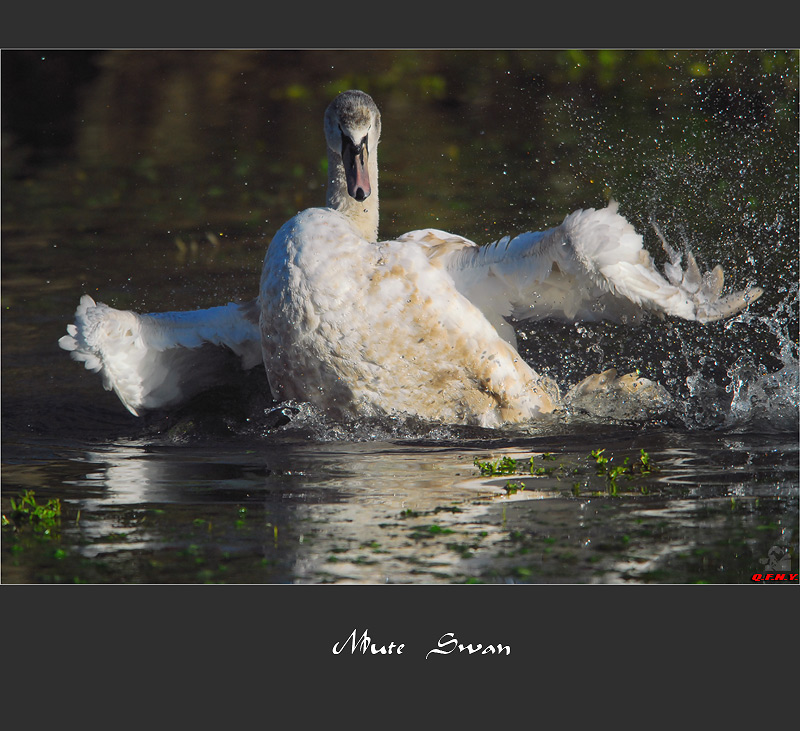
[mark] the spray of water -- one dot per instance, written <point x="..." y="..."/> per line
<point x="768" y="400"/>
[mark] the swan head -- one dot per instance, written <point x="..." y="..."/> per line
<point x="352" y="131"/>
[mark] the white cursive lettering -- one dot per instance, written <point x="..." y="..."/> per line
<point x="365" y="644"/>
<point x="453" y="644"/>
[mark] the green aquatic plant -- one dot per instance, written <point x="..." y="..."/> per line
<point x="643" y="466"/>
<point x="600" y="459"/>
<point x="603" y="464"/>
<point x="43" y="518"/>
<point x="503" y="466"/>
<point x="644" y="461"/>
<point x="429" y="531"/>
<point x="514" y="487"/>
<point x="506" y="465"/>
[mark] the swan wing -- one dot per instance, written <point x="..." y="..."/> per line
<point x="591" y="267"/>
<point x="156" y="360"/>
<point x="457" y="256"/>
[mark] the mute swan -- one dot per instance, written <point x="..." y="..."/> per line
<point x="417" y="325"/>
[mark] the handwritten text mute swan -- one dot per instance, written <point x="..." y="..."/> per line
<point x="418" y="325"/>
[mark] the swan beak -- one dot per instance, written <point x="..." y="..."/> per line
<point x="355" y="160"/>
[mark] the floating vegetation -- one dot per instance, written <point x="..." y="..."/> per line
<point x="603" y="464"/>
<point x="509" y="466"/>
<point x="605" y="468"/>
<point x="44" y="519"/>
<point x="514" y="487"/>
<point x="431" y="530"/>
<point x="502" y="466"/>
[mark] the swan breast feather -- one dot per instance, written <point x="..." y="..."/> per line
<point x="385" y="320"/>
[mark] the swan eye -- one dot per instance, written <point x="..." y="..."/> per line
<point x="345" y="142"/>
<point x="358" y="149"/>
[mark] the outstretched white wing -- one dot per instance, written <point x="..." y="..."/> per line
<point x="591" y="267"/>
<point x="152" y="361"/>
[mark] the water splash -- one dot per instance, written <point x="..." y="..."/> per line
<point x="306" y="422"/>
<point x="743" y="376"/>
<point x="762" y="399"/>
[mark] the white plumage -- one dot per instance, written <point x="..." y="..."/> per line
<point x="418" y="325"/>
<point x="160" y="360"/>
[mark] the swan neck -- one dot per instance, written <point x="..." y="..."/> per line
<point x="362" y="214"/>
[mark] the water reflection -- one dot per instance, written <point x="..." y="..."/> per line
<point x="316" y="511"/>
<point x="377" y="512"/>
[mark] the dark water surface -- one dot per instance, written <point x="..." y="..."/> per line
<point x="154" y="181"/>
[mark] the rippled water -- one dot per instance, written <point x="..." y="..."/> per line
<point x="236" y="489"/>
